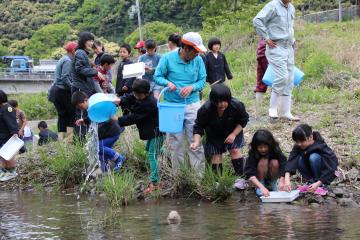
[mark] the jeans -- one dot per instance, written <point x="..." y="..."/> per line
<point x="153" y="147"/>
<point x="106" y="152"/>
<point x="176" y="143"/>
<point x="310" y="168"/>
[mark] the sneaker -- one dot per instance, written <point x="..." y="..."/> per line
<point x="2" y="172"/>
<point x="118" y="163"/>
<point x="258" y="192"/>
<point x="8" y="176"/>
<point x="240" y="184"/>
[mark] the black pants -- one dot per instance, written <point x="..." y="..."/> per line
<point x="66" y="112"/>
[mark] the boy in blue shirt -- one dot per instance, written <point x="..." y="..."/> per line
<point x="151" y="60"/>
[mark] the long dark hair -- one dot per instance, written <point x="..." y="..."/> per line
<point x="83" y="38"/>
<point x="263" y="136"/>
<point x="304" y="131"/>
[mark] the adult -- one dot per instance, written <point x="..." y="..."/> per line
<point x="174" y="42"/>
<point x="62" y="101"/>
<point x="99" y="50"/>
<point x="275" y="23"/>
<point x="83" y="73"/>
<point x="183" y="71"/>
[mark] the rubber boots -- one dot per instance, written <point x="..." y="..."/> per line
<point x="285" y="108"/>
<point x="273" y="109"/>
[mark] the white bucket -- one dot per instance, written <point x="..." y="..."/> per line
<point x="11" y="148"/>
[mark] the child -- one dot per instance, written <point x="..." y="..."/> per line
<point x="144" y="114"/>
<point x="266" y="163"/>
<point x="151" y="60"/>
<point x="99" y="50"/>
<point x="222" y="118"/>
<point x="109" y="132"/>
<point x="45" y="134"/>
<point x="123" y="86"/>
<point x="106" y="63"/>
<point x="262" y="64"/>
<point x="174" y="42"/>
<point x="312" y="157"/>
<point x="140" y="47"/>
<point x="8" y="128"/>
<point x="216" y="64"/>
<point x="21" y="121"/>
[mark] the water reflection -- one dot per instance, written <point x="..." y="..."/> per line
<point x="32" y="216"/>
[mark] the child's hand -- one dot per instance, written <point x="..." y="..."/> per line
<point x="79" y="122"/>
<point x="265" y="191"/>
<point x="21" y="133"/>
<point x="314" y="186"/>
<point x="194" y="146"/>
<point x="125" y="88"/>
<point x="101" y="77"/>
<point x="286" y="187"/>
<point x="115" y="118"/>
<point x="117" y="101"/>
<point x="186" y="91"/>
<point x="230" y="139"/>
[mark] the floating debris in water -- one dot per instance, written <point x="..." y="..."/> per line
<point x="173" y="218"/>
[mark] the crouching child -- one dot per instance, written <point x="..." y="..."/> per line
<point x="109" y="132"/>
<point x="144" y="113"/>
<point x="313" y="158"/>
<point x="265" y="165"/>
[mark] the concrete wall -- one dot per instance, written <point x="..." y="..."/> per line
<point x="25" y="86"/>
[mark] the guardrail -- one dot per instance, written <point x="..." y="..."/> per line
<point x="7" y="74"/>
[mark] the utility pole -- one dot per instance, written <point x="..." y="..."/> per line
<point x="139" y="18"/>
<point x="340" y="11"/>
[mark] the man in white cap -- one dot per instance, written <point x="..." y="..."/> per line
<point x="184" y="72"/>
<point x="275" y="23"/>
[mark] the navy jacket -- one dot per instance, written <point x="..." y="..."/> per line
<point x="142" y="113"/>
<point x="217" y="68"/>
<point x="120" y="82"/>
<point x="8" y="124"/>
<point x="329" y="160"/>
<point x="83" y="73"/>
<point x="47" y="136"/>
<point x="217" y="128"/>
<point x="253" y="160"/>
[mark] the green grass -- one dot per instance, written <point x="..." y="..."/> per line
<point x="35" y="106"/>
<point x="68" y="163"/>
<point x="119" y="188"/>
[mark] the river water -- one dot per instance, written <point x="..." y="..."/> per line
<point x="49" y="216"/>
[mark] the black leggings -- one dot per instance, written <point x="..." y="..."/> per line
<point x="66" y="112"/>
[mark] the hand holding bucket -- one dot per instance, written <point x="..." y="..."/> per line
<point x="171" y="115"/>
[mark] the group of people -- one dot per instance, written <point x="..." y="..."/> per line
<point x="222" y="118"/>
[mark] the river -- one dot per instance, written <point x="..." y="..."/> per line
<point x="51" y="216"/>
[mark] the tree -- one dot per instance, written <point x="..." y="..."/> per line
<point x="159" y="31"/>
<point x="47" y="39"/>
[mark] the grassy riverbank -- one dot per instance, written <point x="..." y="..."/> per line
<point x="328" y="99"/>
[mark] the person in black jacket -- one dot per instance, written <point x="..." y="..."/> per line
<point x="216" y="64"/>
<point x="46" y="135"/>
<point x="83" y="73"/>
<point x="108" y="133"/>
<point x="222" y="118"/>
<point x="265" y="163"/>
<point x="144" y="113"/>
<point x="312" y="157"/>
<point x="124" y="86"/>
<point x="8" y="128"/>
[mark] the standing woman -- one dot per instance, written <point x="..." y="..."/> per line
<point x="8" y="128"/>
<point x="83" y="72"/>
<point x="99" y="50"/>
<point x="66" y="112"/>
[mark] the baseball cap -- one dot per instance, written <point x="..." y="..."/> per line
<point x="140" y="44"/>
<point x="194" y="40"/>
<point x="70" y="46"/>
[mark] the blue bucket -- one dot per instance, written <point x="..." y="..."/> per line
<point x="171" y="115"/>
<point x="101" y="108"/>
<point x="269" y="76"/>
